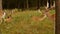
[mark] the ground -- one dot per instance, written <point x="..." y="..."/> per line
<point x="22" y="23"/>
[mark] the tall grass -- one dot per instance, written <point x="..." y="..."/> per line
<point x="23" y="24"/>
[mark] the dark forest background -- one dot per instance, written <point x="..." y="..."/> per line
<point x="25" y="4"/>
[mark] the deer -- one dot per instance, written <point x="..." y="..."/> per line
<point x="41" y="18"/>
<point x="47" y="13"/>
<point x="8" y="19"/>
<point x="2" y="16"/>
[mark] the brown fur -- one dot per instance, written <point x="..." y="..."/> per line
<point x="8" y="19"/>
<point x="51" y="17"/>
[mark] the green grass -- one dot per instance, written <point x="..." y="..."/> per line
<point x="23" y="24"/>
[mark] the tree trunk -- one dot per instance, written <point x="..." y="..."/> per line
<point x="27" y="4"/>
<point x="38" y="4"/>
<point x="58" y="17"/>
<point x="0" y="11"/>
<point x="24" y="5"/>
<point x="0" y="4"/>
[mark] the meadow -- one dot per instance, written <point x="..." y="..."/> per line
<point x="22" y="23"/>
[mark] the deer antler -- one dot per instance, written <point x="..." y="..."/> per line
<point x="43" y="16"/>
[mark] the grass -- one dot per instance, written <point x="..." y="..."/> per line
<point x="23" y="24"/>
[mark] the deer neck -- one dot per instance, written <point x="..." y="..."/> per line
<point x="48" y="14"/>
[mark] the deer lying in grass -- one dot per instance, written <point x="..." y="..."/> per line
<point x="2" y="17"/>
<point x="41" y="18"/>
<point x="45" y="14"/>
<point x="51" y="17"/>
